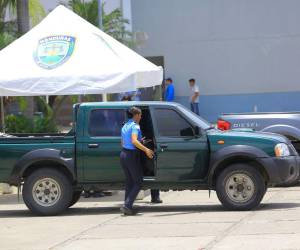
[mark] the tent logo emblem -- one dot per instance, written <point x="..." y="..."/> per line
<point x="53" y="51"/>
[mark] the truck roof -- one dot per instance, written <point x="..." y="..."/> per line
<point x="128" y="104"/>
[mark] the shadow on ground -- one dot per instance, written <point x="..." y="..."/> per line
<point x="79" y="211"/>
<point x="13" y="199"/>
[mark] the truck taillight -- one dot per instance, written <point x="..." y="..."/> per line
<point x="223" y="125"/>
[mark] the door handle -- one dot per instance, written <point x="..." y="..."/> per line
<point x="93" y="145"/>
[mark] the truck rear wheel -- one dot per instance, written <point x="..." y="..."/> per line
<point x="240" y="187"/>
<point x="47" y="192"/>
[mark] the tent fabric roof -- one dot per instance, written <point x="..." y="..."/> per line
<point x="66" y="55"/>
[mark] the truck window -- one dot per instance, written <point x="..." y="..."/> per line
<point x="106" y="122"/>
<point x="170" y="123"/>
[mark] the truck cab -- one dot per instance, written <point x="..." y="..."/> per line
<point x="179" y="142"/>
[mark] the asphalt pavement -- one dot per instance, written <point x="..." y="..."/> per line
<point x="186" y="220"/>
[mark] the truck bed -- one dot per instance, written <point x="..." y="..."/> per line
<point x="14" y="147"/>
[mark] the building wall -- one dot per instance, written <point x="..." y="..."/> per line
<point x="245" y="55"/>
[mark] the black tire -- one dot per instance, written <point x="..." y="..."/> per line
<point x="76" y="196"/>
<point x="47" y="192"/>
<point x="240" y="187"/>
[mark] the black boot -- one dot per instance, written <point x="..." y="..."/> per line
<point x="155" y="196"/>
<point x="157" y="201"/>
<point x="128" y="211"/>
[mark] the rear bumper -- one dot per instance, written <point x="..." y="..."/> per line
<point x="281" y="169"/>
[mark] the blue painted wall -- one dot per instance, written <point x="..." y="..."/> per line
<point x="211" y="106"/>
<point x="242" y="53"/>
<point x="228" y="46"/>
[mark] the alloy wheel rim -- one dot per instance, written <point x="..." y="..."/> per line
<point x="239" y="188"/>
<point x="46" y="192"/>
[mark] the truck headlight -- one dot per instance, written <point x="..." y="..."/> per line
<point x="282" y="149"/>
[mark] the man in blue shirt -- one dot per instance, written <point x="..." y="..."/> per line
<point x="169" y="91"/>
<point x="130" y="158"/>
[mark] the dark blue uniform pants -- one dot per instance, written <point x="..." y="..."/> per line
<point x="130" y="162"/>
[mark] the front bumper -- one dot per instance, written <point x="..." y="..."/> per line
<point x="281" y="169"/>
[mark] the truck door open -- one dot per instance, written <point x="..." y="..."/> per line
<point x="146" y="125"/>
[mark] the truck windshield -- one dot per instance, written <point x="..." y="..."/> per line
<point x="197" y="119"/>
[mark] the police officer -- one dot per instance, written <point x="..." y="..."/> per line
<point x="130" y="158"/>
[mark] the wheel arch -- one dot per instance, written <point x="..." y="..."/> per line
<point x="47" y="164"/>
<point x="236" y="154"/>
<point x="235" y="160"/>
<point x="291" y="132"/>
<point x="50" y="158"/>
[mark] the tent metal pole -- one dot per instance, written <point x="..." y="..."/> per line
<point x="100" y="14"/>
<point x="2" y="115"/>
<point x="104" y="96"/>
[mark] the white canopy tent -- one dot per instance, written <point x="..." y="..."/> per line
<point x="66" y="55"/>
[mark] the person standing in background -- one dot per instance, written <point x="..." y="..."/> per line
<point x="137" y="95"/>
<point x="126" y="98"/>
<point x="194" y="97"/>
<point x="130" y="95"/>
<point x="170" y="91"/>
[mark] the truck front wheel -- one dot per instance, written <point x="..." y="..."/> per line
<point x="240" y="187"/>
<point x="47" y="192"/>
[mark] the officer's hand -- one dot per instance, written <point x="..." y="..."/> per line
<point x="149" y="153"/>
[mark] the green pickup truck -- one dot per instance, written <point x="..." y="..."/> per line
<point x="190" y="154"/>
